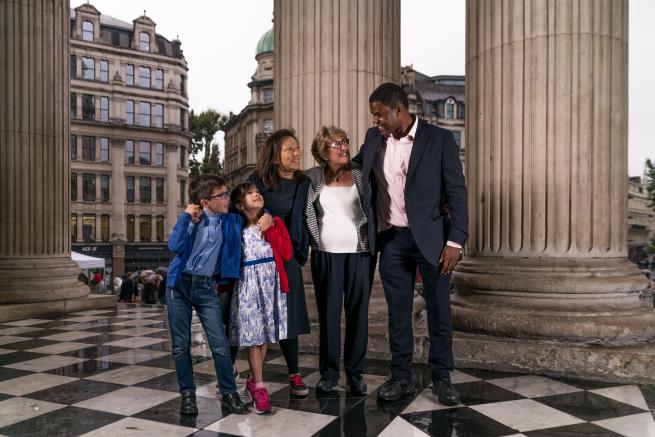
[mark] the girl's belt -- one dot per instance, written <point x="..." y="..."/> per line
<point x="258" y="261"/>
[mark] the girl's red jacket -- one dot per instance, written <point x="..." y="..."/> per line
<point x="278" y="236"/>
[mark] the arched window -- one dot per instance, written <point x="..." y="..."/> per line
<point x="144" y="41"/>
<point x="87" y="31"/>
<point x="450" y="108"/>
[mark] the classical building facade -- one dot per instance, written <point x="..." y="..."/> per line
<point x="641" y="221"/>
<point x="245" y="133"/>
<point x="439" y="100"/>
<point x="128" y="139"/>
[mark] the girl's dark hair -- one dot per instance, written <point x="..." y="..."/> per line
<point x="268" y="161"/>
<point x="238" y="193"/>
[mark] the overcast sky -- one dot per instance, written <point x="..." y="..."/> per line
<point x="219" y="39"/>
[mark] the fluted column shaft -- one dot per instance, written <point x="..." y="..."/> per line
<point x="329" y="56"/>
<point x="547" y="94"/>
<point x="172" y="187"/>
<point x="35" y="262"/>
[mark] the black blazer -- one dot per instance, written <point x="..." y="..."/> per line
<point x="434" y="171"/>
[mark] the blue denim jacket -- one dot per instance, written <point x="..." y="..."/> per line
<point x="180" y="242"/>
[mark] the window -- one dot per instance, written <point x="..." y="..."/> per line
<point x="145" y="228"/>
<point x="88" y="107"/>
<point x="160" y="228"/>
<point x="129" y="111"/>
<point x="159" y="154"/>
<point x="104" y="188"/>
<point x="144" y="152"/>
<point x="89" y="228"/>
<point x="87" y="31"/>
<point x="104" y="108"/>
<point x="182" y="119"/>
<point x="88" y="148"/>
<point x="159" y="190"/>
<point x="73" y="111"/>
<point x="145" y="190"/>
<point x="73" y="227"/>
<point x="104" y="70"/>
<point x="129" y="74"/>
<point x="183" y="85"/>
<point x="450" y="108"/>
<point x="144" y="114"/>
<point x="144" y="41"/>
<point x="104" y="149"/>
<point x="88" y="187"/>
<point x="129" y="189"/>
<point x="73" y="145"/>
<point x="129" y="152"/>
<point x="268" y="95"/>
<point x="73" y="186"/>
<point x="144" y="77"/>
<point x="182" y="193"/>
<point x="159" y="79"/>
<point x="104" y="227"/>
<point x="73" y="66"/>
<point x="268" y="126"/>
<point x="88" y="68"/>
<point x="130" y="228"/>
<point x="159" y="115"/>
<point x="458" y="137"/>
<point x="182" y="156"/>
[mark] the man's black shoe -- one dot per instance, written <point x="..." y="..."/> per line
<point x="394" y="389"/>
<point x="232" y="402"/>
<point x="326" y="386"/>
<point x="188" y="405"/>
<point x="356" y="384"/>
<point x="444" y="391"/>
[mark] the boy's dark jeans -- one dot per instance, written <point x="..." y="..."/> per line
<point x="198" y="292"/>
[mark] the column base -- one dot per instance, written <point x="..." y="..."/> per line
<point x="40" y="279"/>
<point x="593" y="301"/>
<point x="629" y="364"/>
<point x="52" y="308"/>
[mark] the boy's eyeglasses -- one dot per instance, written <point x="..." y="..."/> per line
<point x="224" y="195"/>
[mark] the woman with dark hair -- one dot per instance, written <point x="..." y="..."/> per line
<point x="284" y="188"/>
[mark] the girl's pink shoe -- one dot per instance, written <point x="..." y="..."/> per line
<point x="262" y="402"/>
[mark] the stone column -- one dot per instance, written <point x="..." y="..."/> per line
<point x="35" y="247"/>
<point x="118" y="234"/>
<point x="171" y="188"/>
<point x="547" y="118"/>
<point x="329" y="56"/>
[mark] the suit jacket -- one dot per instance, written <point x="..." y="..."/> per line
<point x="434" y="171"/>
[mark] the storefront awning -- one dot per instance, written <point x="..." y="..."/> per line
<point x="87" y="262"/>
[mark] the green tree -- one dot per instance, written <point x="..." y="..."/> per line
<point x="204" y="127"/>
<point x="649" y="174"/>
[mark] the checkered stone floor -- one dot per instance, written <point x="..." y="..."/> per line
<point x="110" y="373"/>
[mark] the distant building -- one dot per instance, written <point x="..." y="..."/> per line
<point x="641" y="221"/>
<point x="247" y="132"/>
<point x="439" y="100"/>
<point x="128" y="137"/>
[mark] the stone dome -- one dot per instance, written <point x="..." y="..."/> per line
<point x="265" y="44"/>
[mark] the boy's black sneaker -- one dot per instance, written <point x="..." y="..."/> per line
<point x="188" y="404"/>
<point x="326" y="386"/>
<point x="232" y="402"/>
<point x="394" y="389"/>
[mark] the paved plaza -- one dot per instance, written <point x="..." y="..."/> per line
<point x="110" y="372"/>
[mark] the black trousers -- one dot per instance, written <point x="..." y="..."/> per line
<point x="398" y="261"/>
<point x="342" y="280"/>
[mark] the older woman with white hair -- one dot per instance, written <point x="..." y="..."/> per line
<point x="342" y="261"/>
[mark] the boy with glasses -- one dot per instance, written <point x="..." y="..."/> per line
<point x="207" y="246"/>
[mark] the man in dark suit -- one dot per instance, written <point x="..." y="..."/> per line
<point x="408" y="166"/>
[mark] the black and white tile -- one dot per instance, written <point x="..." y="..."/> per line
<point x="110" y="373"/>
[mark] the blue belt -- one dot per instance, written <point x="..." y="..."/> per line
<point x="258" y="261"/>
<point x="197" y="277"/>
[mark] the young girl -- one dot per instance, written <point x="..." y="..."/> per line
<point x="258" y="313"/>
